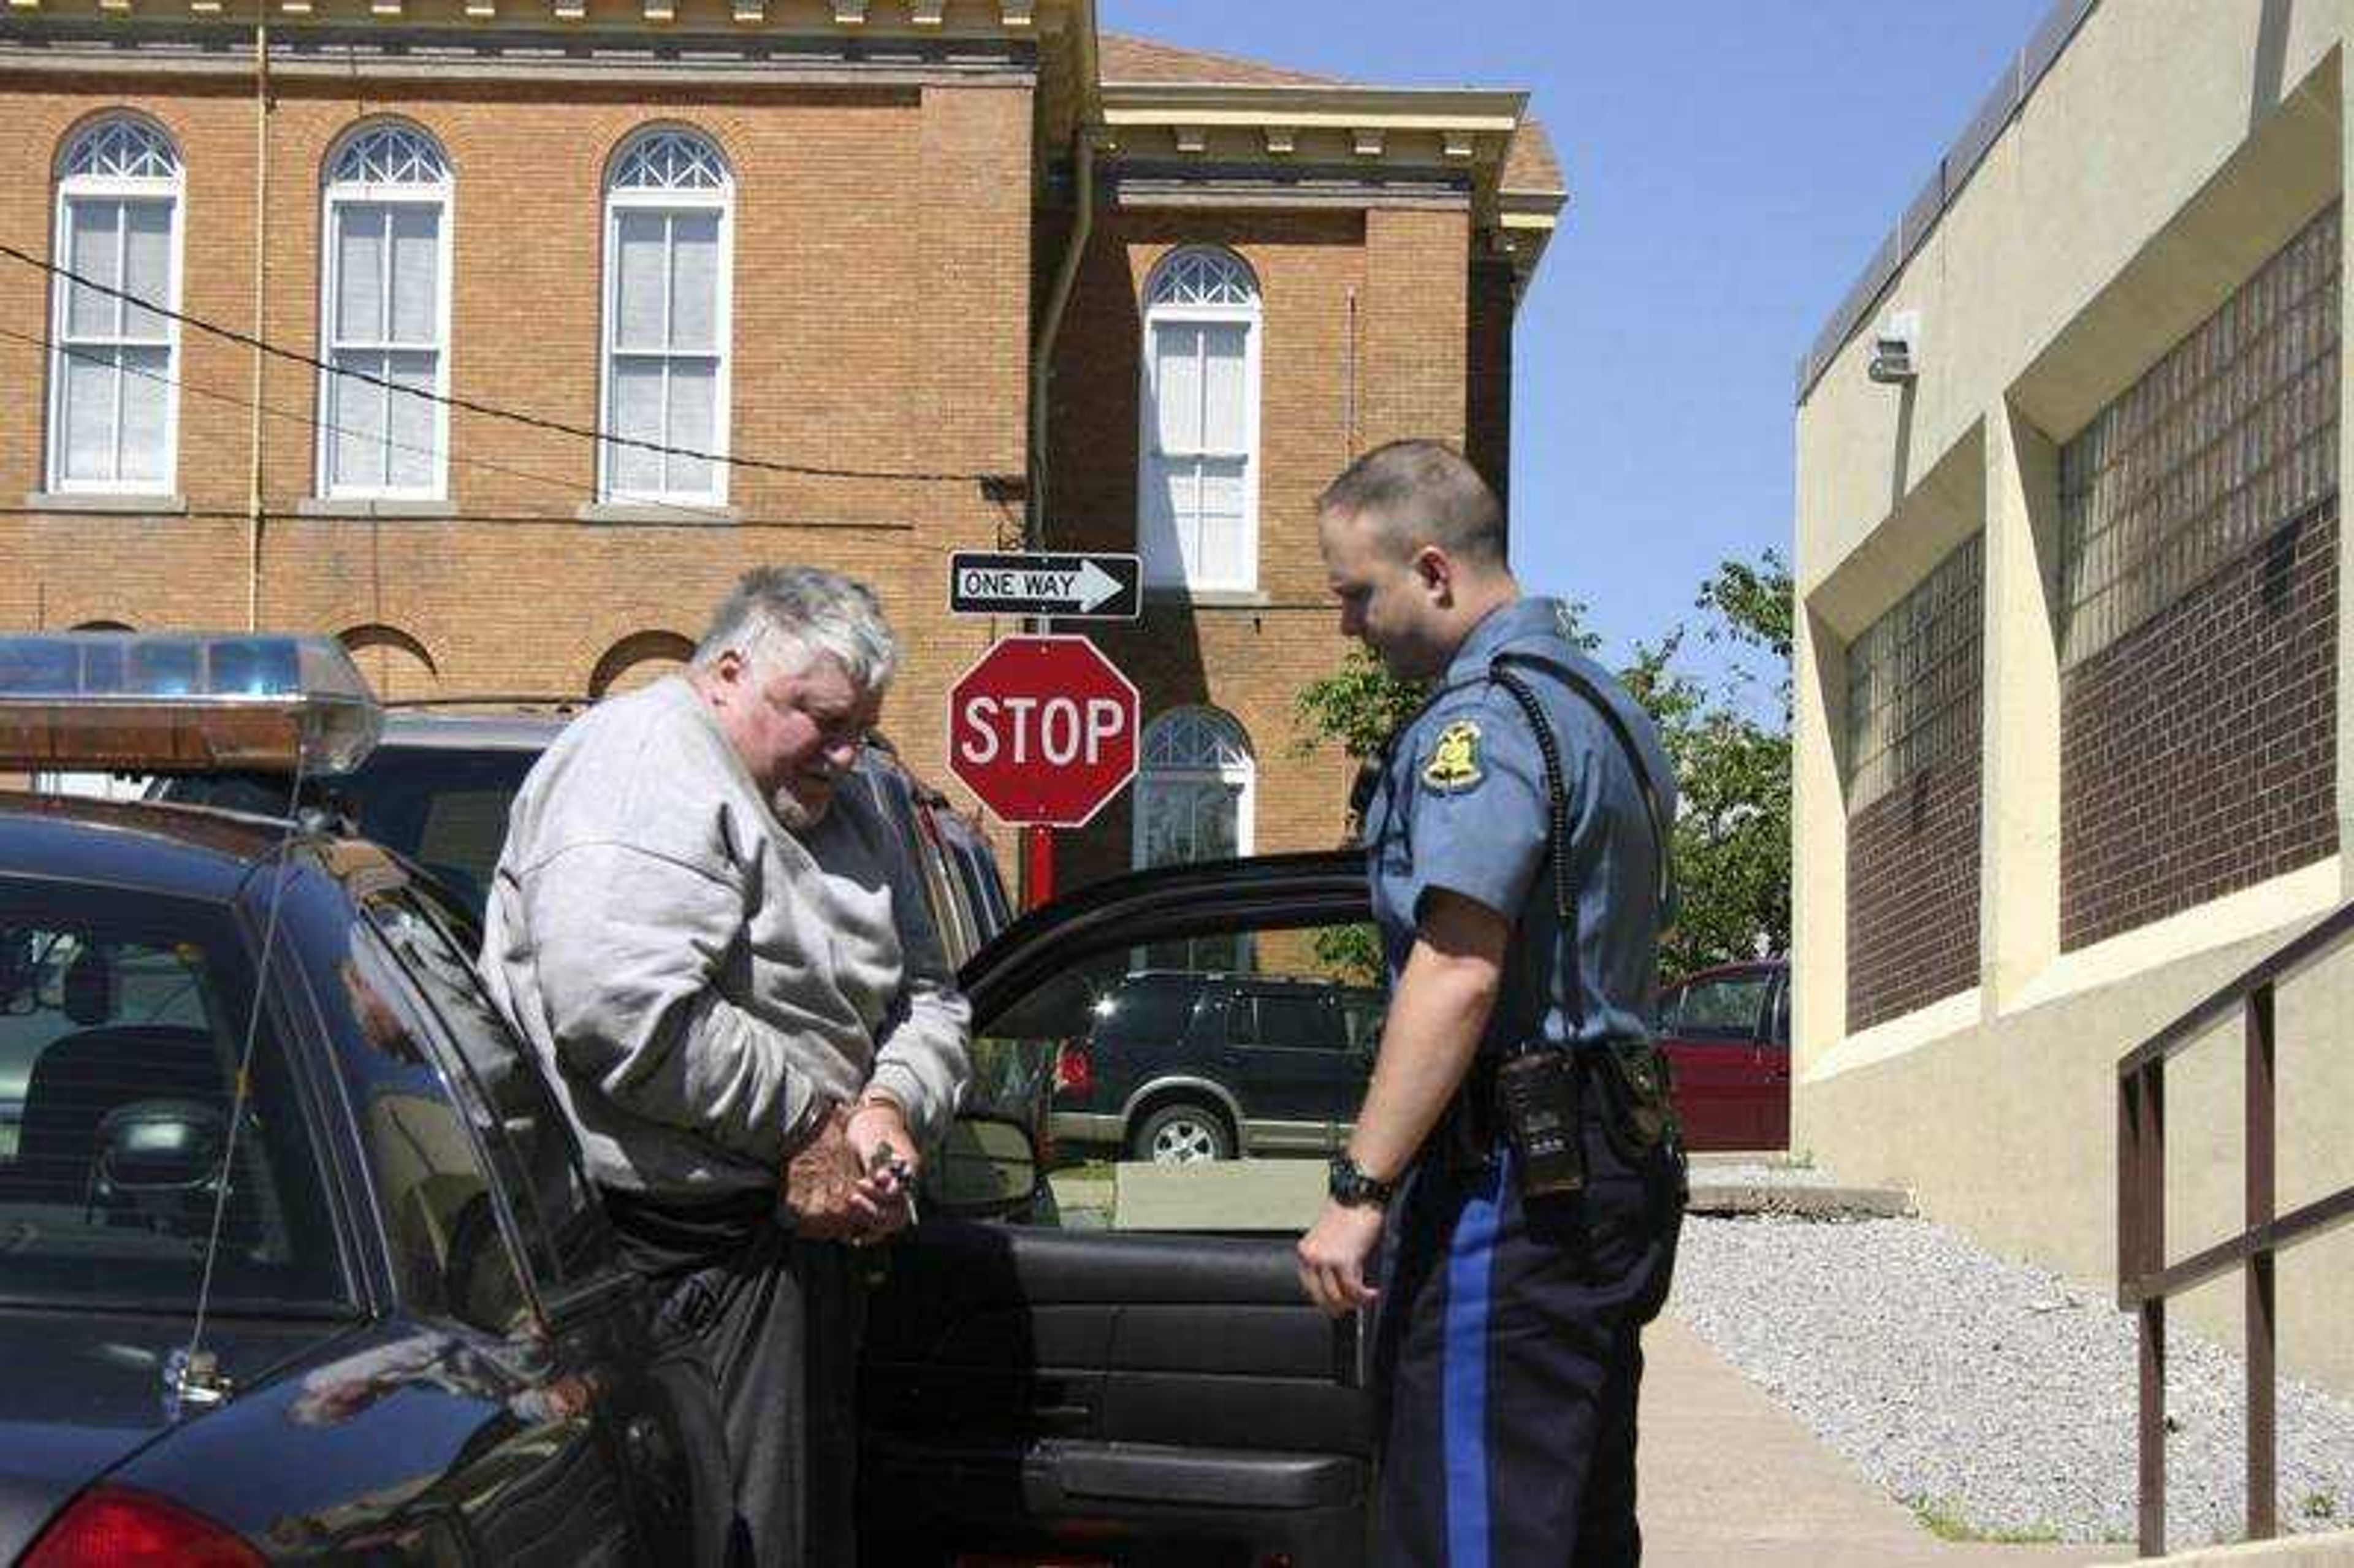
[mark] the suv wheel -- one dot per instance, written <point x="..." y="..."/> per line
<point x="1182" y="1134"/>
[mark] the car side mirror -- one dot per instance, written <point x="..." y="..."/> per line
<point x="987" y="1168"/>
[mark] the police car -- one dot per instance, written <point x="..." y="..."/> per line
<point x="299" y="1261"/>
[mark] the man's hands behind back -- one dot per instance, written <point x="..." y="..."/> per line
<point x="834" y="1194"/>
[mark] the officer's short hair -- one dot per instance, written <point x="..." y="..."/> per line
<point x="1420" y="492"/>
<point x="782" y="618"/>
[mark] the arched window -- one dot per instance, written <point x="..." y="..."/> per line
<point x="1193" y="802"/>
<point x="668" y="219"/>
<point x="1198" y="482"/>
<point x="113" y="394"/>
<point x="1193" y="790"/>
<point x="385" y="315"/>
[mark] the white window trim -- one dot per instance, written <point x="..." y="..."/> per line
<point x="104" y="188"/>
<point x="1245" y="773"/>
<point x="1253" y="316"/>
<point x="679" y="199"/>
<point x="440" y="193"/>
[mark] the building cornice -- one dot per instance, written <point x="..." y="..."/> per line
<point x="1325" y="144"/>
<point x="502" y="52"/>
<point x="811" y="20"/>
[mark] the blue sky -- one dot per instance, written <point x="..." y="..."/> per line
<point x="1730" y="165"/>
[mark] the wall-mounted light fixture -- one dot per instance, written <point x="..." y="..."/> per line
<point x="1896" y="348"/>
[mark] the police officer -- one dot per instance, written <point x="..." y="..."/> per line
<point x="1516" y="1140"/>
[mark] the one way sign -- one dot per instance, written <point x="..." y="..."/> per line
<point x="1071" y="588"/>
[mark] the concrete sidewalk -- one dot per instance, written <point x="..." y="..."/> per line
<point x="1731" y="1478"/>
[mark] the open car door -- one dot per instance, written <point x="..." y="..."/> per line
<point x="1111" y="1395"/>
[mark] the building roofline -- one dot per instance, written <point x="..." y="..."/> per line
<point x="2009" y="93"/>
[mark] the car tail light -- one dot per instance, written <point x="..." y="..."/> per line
<point x="126" y="1529"/>
<point x="1075" y="1069"/>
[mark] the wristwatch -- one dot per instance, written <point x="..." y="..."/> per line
<point x="1352" y="1188"/>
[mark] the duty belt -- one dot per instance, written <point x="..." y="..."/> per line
<point x="1623" y="1088"/>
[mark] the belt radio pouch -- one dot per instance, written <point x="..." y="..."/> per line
<point x="1536" y="1098"/>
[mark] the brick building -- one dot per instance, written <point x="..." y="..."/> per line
<point x="822" y="241"/>
<point x="2073" y="735"/>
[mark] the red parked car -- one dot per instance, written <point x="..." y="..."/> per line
<point x="1726" y="1032"/>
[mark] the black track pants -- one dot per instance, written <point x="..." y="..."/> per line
<point x="776" y="1322"/>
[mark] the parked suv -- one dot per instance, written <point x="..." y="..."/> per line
<point x="1176" y="1066"/>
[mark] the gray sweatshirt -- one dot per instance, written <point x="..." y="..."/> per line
<point x="701" y="982"/>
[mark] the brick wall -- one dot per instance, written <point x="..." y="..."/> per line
<point x="2197" y="752"/>
<point x="1365" y="333"/>
<point x="887" y="253"/>
<point x="1912" y="894"/>
<point x="880" y="321"/>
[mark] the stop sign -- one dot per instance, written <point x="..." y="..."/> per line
<point x="1044" y="730"/>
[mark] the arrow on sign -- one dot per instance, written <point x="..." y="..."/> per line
<point x="1095" y="586"/>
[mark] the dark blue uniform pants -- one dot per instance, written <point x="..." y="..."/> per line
<point x="1508" y="1344"/>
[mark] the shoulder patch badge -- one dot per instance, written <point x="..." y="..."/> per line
<point x="1454" y="765"/>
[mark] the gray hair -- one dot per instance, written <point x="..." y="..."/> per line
<point x="1417" y="492"/>
<point x="782" y="618"/>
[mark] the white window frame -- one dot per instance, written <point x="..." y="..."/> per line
<point x="1150" y="487"/>
<point x="71" y="187"/>
<point x="440" y="193"/>
<point x="1151" y="777"/>
<point x="676" y="199"/>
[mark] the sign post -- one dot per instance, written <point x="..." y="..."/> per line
<point x="1043" y="729"/>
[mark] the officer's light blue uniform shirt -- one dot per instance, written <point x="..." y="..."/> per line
<point x="1461" y="805"/>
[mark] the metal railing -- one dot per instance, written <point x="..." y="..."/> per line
<point x="2146" y="1280"/>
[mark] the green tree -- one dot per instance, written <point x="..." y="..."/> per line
<point x="1731" y="761"/>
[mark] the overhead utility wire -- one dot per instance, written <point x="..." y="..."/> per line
<point x="698" y="513"/>
<point x="491" y="410"/>
<point x="686" y="511"/>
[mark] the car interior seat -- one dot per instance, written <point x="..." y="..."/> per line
<point x="81" y="1077"/>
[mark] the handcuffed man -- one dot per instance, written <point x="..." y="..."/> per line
<point x="705" y="927"/>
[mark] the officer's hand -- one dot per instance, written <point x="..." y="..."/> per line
<point x="887" y="1160"/>
<point x="1334" y="1255"/>
<point x="826" y="1187"/>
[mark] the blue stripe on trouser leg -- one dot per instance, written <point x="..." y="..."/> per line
<point x="1464" y="1406"/>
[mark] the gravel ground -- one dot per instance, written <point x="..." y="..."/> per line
<point x="1995" y="1396"/>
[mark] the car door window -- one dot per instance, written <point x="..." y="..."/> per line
<point x="126" y="1146"/>
<point x="441" y="1209"/>
<point x="1730" y="1007"/>
<point x="1177" y="1063"/>
<point x="1298" y="1022"/>
<point x="523" y="1127"/>
<point x="1779" y="1035"/>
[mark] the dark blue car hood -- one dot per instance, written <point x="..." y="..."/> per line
<point x="84" y="1392"/>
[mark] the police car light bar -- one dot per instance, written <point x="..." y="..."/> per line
<point x="182" y="701"/>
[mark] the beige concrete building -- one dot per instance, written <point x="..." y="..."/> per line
<point x="2072" y="731"/>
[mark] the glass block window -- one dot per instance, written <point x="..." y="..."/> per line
<point x="386" y="316"/>
<point x="669" y="213"/>
<point x="1197" y="486"/>
<point x="2231" y="433"/>
<point x="1913" y="681"/>
<point x="113" y="372"/>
